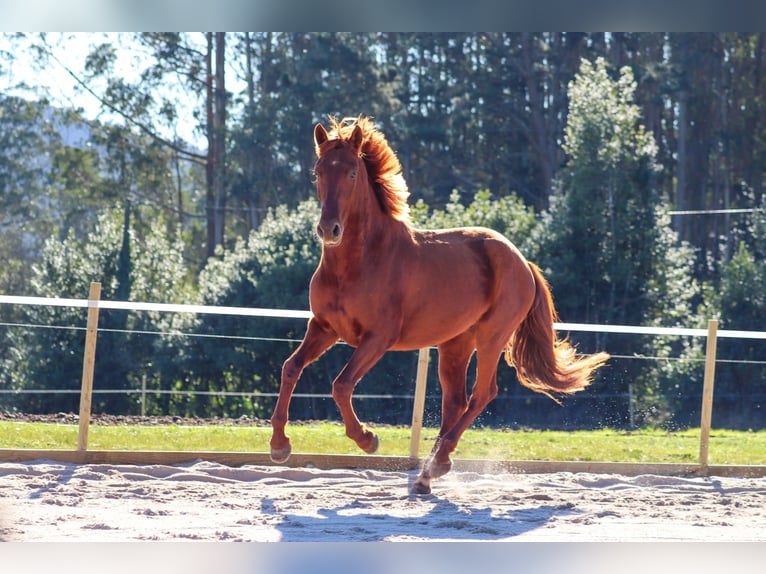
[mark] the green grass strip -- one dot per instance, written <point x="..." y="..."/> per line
<point x="650" y="446"/>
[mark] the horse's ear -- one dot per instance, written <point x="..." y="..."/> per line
<point x="320" y="136"/>
<point x="356" y="138"/>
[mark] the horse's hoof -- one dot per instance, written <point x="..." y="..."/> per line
<point x="421" y="486"/>
<point x="373" y="448"/>
<point x="280" y="455"/>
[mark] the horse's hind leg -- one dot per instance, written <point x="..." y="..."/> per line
<point x="484" y="390"/>
<point x="454" y="357"/>
<point x="316" y="342"/>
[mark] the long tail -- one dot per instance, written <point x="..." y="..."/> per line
<point x="543" y="362"/>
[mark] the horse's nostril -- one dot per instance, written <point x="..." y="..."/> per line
<point x="330" y="233"/>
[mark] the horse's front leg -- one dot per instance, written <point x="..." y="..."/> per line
<point x="316" y="341"/>
<point x="369" y="352"/>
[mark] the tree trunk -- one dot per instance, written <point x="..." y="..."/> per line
<point x="682" y="140"/>
<point x="211" y="141"/>
<point x="723" y="155"/>
<point x="215" y="107"/>
<point x="539" y="141"/>
<point x="220" y="136"/>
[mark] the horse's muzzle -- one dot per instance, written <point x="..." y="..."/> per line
<point x="330" y="232"/>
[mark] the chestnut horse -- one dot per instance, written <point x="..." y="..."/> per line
<point x="382" y="285"/>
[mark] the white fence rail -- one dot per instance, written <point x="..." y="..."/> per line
<point x="299" y="314"/>
<point x="94" y="303"/>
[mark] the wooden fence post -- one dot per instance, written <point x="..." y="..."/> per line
<point x="420" y="401"/>
<point x="88" y="364"/>
<point x="707" y="392"/>
<point x="143" y="394"/>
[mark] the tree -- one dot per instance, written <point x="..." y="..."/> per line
<point x="26" y="140"/>
<point x="148" y="107"/>
<point x="215" y="167"/>
<point x="605" y="244"/>
<point x="603" y="216"/>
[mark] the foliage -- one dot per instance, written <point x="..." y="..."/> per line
<point x="465" y="110"/>
<point x="741" y="305"/>
<point x="271" y="269"/>
<point x="46" y="355"/>
<point x="507" y="214"/>
<point x="606" y="245"/>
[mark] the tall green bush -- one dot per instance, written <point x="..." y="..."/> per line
<point x="607" y="247"/>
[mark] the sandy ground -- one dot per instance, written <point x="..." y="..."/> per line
<point x="48" y="501"/>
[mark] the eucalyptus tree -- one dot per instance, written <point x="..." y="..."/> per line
<point x="172" y="69"/>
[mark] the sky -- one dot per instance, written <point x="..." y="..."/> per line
<point x="391" y="16"/>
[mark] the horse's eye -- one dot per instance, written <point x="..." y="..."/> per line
<point x="352" y="174"/>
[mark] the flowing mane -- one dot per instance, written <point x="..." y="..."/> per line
<point x="383" y="167"/>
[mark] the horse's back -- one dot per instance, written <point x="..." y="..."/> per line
<point x="472" y="252"/>
<point x="457" y="276"/>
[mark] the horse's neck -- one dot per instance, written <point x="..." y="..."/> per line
<point x="365" y="241"/>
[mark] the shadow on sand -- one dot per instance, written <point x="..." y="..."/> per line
<point x="424" y="518"/>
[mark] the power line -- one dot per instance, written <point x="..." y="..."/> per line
<point x="156" y="333"/>
<point x="713" y="211"/>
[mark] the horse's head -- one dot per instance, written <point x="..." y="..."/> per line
<point x="339" y="172"/>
